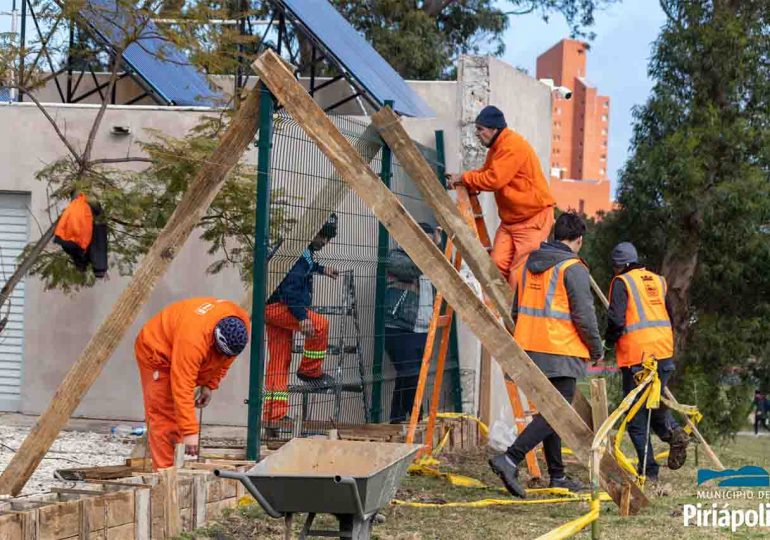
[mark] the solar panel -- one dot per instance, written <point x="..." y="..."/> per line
<point x="159" y="63"/>
<point x="5" y="94"/>
<point x="358" y="57"/>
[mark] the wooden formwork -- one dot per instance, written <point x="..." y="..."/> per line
<point x="143" y="507"/>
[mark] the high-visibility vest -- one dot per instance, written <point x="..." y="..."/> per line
<point x="544" y="323"/>
<point x="648" y="327"/>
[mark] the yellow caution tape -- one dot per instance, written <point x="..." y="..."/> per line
<point x="575" y="526"/>
<point x="499" y="502"/>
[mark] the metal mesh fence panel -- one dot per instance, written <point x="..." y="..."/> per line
<point x="325" y="323"/>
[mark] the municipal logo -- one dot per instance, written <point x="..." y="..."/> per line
<point x="747" y="476"/>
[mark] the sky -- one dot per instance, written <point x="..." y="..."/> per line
<point x="616" y="63"/>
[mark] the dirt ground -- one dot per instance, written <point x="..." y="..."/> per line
<point x="662" y="519"/>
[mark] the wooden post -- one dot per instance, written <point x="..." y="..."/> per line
<point x="179" y="455"/>
<point x="172" y="522"/>
<point x="421" y="249"/>
<point x="142" y="515"/>
<point x="485" y="387"/>
<point x="599" y="407"/>
<point x="111" y="332"/>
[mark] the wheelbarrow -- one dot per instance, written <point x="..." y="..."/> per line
<point x="350" y="479"/>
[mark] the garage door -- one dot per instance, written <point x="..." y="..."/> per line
<point x="14" y="235"/>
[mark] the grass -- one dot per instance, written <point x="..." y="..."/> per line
<point x="662" y="519"/>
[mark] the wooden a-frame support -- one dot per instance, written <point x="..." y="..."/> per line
<point x="405" y="230"/>
<point x="81" y="376"/>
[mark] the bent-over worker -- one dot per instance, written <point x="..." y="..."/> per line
<point x="189" y="344"/>
<point x="513" y="173"/>
<point x="639" y="326"/>
<point x="556" y="325"/>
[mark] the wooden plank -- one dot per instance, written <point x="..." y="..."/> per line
<point x="81" y="376"/>
<point x="121" y="507"/>
<point x="60" y="520"/>
<point x="143" y="517"/>
<point x="599" y="407"/>
<point x="179" y="456"/>
<point x="200" y="493"/>
<point x="172" y="525"/>
<point x="421" y="249"/>
<point x="485" y="387"/>
<point x="11" y="525"/>
<point x="445" y="211"/>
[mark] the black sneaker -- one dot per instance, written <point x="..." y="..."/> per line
<point x="324" y="382"/>
<point x="677" y="453"/>
<point x="571" y="484"/>
<point x="504" y="467"/>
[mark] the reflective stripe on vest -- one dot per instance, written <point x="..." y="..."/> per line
<point x="648" y="328"/>
<point x="548" y="310"/>
<point x="548" y="327"/>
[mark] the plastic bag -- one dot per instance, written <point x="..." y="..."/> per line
<point x="501" y="435"/>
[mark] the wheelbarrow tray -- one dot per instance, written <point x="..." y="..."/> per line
<point x="331" y="476"/>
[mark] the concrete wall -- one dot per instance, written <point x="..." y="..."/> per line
<point x="58" y="326"/>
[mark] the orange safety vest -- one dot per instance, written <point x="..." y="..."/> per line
<point x="544" y="322"/>
<point x="648" y="327"/>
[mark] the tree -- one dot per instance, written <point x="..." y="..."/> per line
<point x="422" y="40"/>
<point x="695" y="198"/>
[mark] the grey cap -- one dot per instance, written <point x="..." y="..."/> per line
<point x="623" y="254"/>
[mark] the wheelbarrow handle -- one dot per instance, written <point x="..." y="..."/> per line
<point x="251" y="488"/>
<point x="351" y="483"/>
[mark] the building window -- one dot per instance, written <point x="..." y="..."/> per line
<point x="602" y="171"/>
<point x="604" y="131"/>
<point x="604" y="118"/>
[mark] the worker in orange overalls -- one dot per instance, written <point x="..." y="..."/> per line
<point x="189" y="344"/>
<point x="288" y="311"/>
<point x="524" y="203"/>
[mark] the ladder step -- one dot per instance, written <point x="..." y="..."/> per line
<point x="331" y="350"/>
<point x="444" y="321"/>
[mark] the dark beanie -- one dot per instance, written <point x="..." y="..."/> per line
<point x="491" y="117"/>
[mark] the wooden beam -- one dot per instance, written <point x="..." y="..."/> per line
<point x="421" y="249"/>
<point x="706" y="448"/>
<point x="460" y="226"/>
<point x="199" y="195"/>
<point x="171" y="520"/>
<point x="445" y="210"/>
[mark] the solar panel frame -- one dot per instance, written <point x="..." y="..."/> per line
<point x="163" y="69"/>
<point x="354" y="55"/>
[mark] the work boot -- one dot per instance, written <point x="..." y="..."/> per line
<point x="504" y="467"/>
<point x="677" y="453"/>
<point x="572" y="484"/>
<point x="324" y="382"/>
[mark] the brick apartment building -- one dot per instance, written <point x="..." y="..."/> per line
<point x="578" y="171"/>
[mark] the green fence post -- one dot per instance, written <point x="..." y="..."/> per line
<point x="383" y="244"/>
<point x="453" y="348"/>
<point x="261" y="239"/>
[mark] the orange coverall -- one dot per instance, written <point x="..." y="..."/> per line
<point x="76" y="223"/>
<point x="175" y="352"/>
<point x="280" y="326"/>
<point x="524" y="203"/>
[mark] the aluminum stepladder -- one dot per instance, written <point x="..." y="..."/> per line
<point x="348" y="344"/>
<point x="470" y="209"/>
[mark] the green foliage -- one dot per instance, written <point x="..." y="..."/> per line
<point x="422" y="40"/>
<point x="695" y="198"/>
<point x="138" y="204"/>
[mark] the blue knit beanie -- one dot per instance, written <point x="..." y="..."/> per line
<point x="231" y="336"/>
<point x="491" y="117"/>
